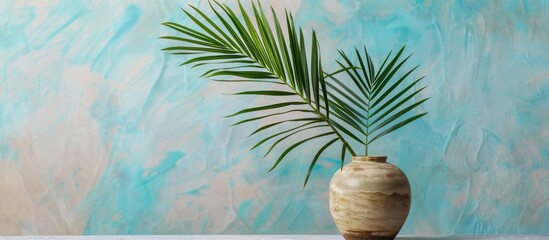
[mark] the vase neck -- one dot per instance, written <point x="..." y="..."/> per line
<point x="380" y="159"/>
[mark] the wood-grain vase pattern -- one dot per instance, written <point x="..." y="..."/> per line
<point x="369" y="198"/>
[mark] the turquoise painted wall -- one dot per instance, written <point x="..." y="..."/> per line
<point x="101" y="133"/>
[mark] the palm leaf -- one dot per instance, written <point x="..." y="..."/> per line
<point x="316" y="158"/>
<point x="270" y="115"/>
<point x="257" y="52"/>
<point x="280" y="133"/>
<point x="382" y="106"/>
<point x="251" y="49"/>
<point x="289" y="135"/>
<point x="288" y="150"/>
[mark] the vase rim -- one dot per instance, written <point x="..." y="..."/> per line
<point x="371" y="158"/>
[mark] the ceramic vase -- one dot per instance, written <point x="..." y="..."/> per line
<point x="369" y="198"/>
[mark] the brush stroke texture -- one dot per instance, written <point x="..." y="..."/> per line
<point x="101" y="133"/>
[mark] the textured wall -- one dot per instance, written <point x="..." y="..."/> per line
<point x="101" y="133"/>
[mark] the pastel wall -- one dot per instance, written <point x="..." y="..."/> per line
<point x="101" y="133"/>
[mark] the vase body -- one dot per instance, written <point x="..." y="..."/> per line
<point x="369" y="198"/>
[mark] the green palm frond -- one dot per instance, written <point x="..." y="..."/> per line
<point x="381" y="106"/>
<point x="255" y="52"/>
<point x="249" y="49"/>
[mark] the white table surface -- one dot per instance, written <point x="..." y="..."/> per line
<point x="270" y="237"/>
